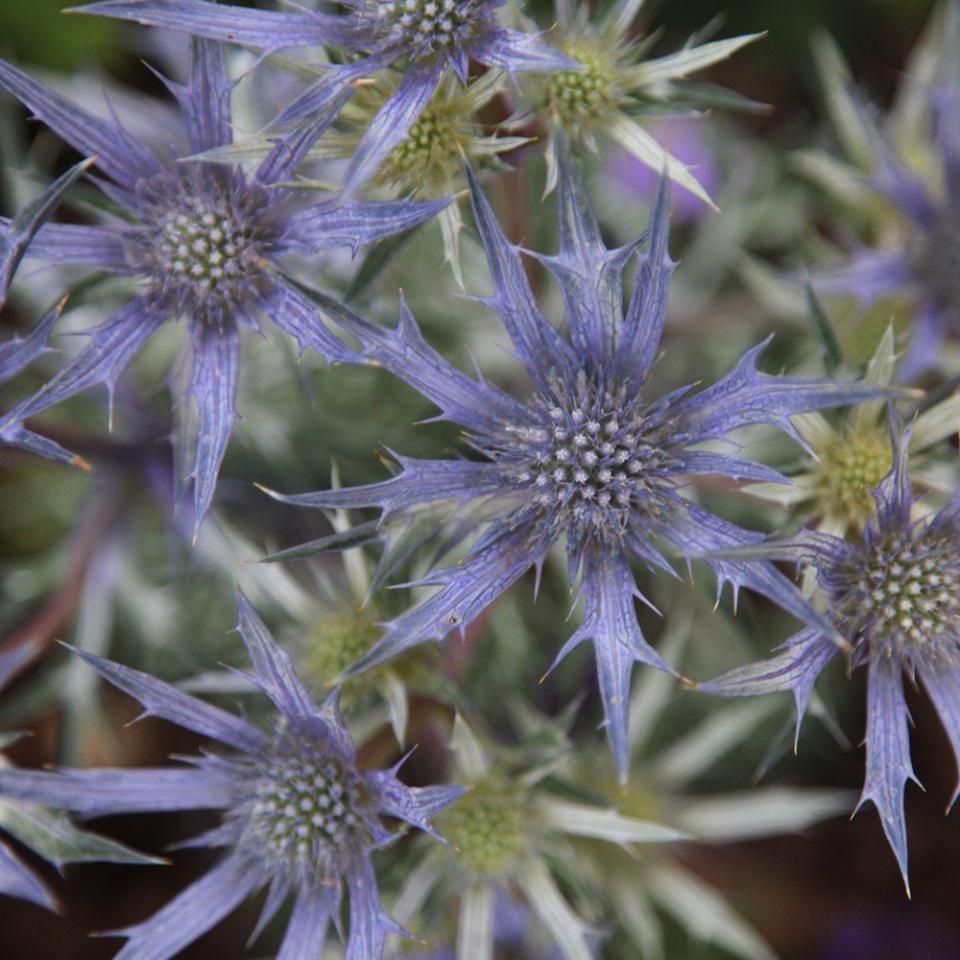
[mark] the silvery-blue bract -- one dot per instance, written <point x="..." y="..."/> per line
<point x="203" y="241"/>
<point x="427" y="38"/>
<point x="298" y="816"/>
<point x="588" y="458"/>
<point x="895" y="598"/>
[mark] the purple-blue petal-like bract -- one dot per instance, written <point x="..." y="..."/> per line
<point x="587" y="459"/>
<point x="427" y="38"/>
<point x="204" y="241"/>
<point x="299" y="818"/>
<point x="895" y="599"/>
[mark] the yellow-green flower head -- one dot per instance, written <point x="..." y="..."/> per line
<point x="834" y="488"/>
<point x="617" y="83"/>
<point x="851" y="466"/>
<point x="576" y="98"/>
<point x="429" y="160"/>
<point x="338" y="639"/>
<point x="489" y="828"/>
<point x="513" y="840"/>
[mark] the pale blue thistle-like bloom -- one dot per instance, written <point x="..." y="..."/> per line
<point x="298" y="816"/>
<point x="202" y="241"/>
<point x="894" y="595"/>
<point x="589" y="458"/>
<point x="428" y="39"/>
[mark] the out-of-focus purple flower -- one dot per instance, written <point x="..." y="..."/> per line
<point x="895" y="598"/>
<point x="588" y="458"/>
<point x="203" y="241"/>
<point x="927" y="265"/>
<point x="882" y="936"/>
<point x="427" y="38"/>
<point x="298" y="816"/>
<point x="684" y="139"/>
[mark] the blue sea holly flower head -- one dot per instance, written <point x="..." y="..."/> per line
<point x="894" y="596"/>
<point x="201" y="241"/>
<point x="49" y="834"/>
<point x="299" y="817"/>
<point x="427" y="39"/>
<point x="588" y="458"/>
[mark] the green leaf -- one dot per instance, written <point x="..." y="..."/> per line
<point x="833" y="355"/>
<point x="357" y="536"/>
<point x="710" y="96"/>
<point x="56" y="839"/>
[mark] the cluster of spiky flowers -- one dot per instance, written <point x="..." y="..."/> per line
<point x="598" y="469"/>
<point x="428" y="39"/>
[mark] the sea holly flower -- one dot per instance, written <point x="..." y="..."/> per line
<point x="834" y="487"/>
<point x="512" y="844"/>
<point x="299" y="818"/>
<point x="893" y="594"/>
<point x="201" y="241"/>
<point x="922" y="262"/>
<point x="428" y="40"/>
<point x="48" y="834"/>
<point x="589" y="458"/>
<point x="616" y="83"/>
